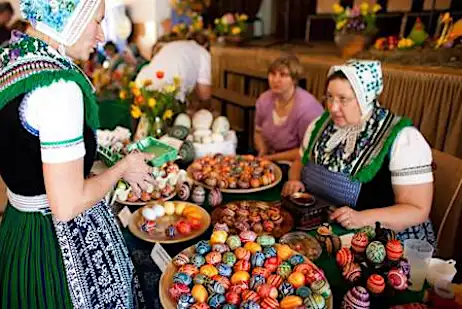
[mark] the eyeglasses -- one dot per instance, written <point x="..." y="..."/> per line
<point x="342" y="100"/>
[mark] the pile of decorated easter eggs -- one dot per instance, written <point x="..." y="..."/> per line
<point x="233" y="172"/>
<point x="246" y="271"/>
<point x="381" y="263"/>
<point x="188" y="218"/>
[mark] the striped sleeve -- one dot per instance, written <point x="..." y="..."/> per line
<point x="60" y="121"/>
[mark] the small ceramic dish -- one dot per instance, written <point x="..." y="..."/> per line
<point x="302" y="199"/>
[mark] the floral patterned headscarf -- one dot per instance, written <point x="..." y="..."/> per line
<point x="62" y="20"/>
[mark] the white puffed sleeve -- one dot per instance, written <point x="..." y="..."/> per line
<point x="410" y="159"/>
<point x="307" y="136"/>
<point x="205" y="67"/>
<point x="59" y="113"/>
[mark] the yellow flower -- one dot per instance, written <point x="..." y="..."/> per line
<point x="168" y="114"/>
<point x="337" y="8"/>
<point x="236" y="30"/>
<point x="376" y="8"/>
<point x="341" y="24"/>
<point x="152" y="102"/>
<point x="177" y="81"/>
<point x="364" y="8"/>
<point x="132" y="84"/>
<point x="243" y="17"/>
<point x="217" y="21"/>
<point x="136" y="92"/>
<point x="122" y="94"/>
<point x="135" y="112"/>
<point x="169" y="88"/>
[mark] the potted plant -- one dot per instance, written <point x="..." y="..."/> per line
<point x="356" y="26"/>
<point x="231" y="27"/>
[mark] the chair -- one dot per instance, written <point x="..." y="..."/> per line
<point x="447" y="203"/>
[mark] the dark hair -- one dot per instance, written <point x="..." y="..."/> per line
<point x="6" y="7"/>
<point x="110" y="46"/>
<point x="200" y="38"/>
<point x="289" y="62"/>
<point x="336" y="75"/>
<point x="20" y="25"/>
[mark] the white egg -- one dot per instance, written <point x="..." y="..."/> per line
<point x="183" y="120"/>
<point x="159" y="210"/>
<point x="149" y="214"/>
<point x="202" y="119"/>
<point x="221" y="125"/>
<point x="207" y="139"/>
<point x="217" y="138"/>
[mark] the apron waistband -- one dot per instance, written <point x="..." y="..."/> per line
<point x="37" y="203"/>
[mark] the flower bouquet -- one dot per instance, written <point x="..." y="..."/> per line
<point x="231" y="26"/>
<point x="157" y="106"/>
<point x="356" y="27"/>
<point x="189" y="6"/>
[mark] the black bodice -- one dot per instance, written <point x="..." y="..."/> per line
<point x="20" y="156"/>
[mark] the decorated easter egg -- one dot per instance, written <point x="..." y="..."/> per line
<point x="404" y="267"/>
<point x="240" y="276"/>
<point x="182" y="278"/>
<point x="229" y="258"/>
<point x="357" y="298"/>
<point x="242" y="265"/>
<point x="178" y="289"/>
<point x="203" y="247"/>
<point x="352" y="272"/>
<point x="184" y="192"/>
<point x="286" y="289"/>
<point x="200" y="306"/>
<point x="189" y="269"/>
<point x="215" y="197"/>
<point x="213" y="258"/>
<point x="257" y="227"/>
<point x="201" y="279"/>
<point x="316" y="301"/>
<point x="394" y="250"/>
<point x="313" y="275"/>
<point x="303" y="292"/>
<point x="375" y="284"/>
<point x="187" y="151"/>
<point x="283" y="252"/>
<point x="291" y="302"/>
<point x="221" y="227"/>
<point x="269" y="303"/>
<point x="198" y="260"/>
<point x="180" y="260"/>
<point x="198" y="195"/>
<point x="250" y="305"/>
<point x="224" y="270"/>
<point x="215" y="287"/>
<point x="233" y="242"/>
<point x="222" y="248"/>
<point x="256" y="281"/>
<point x="266" y="240"/>
<point x="322" y="288"/>
<point x="229" y="306"/>
<point x="199" y="292"/>
<point x="191" y="212"/>
<point x="261" y="271"/>
<point x="266" y="290"/>
<point x="170" y="231"/>
<point x="209" y="270"/>
<point x="183" y="120"/>
<point x="268" y="226"/>
<point x="296" y="279"/>
<point x="239" y="287"/>
<point x="233" y="298"/>
<point x="185" y="301"/>
<point x="169" y="208"/>
<point x="242" y="254"/>
<point x="284" y="269"/>
<point x="397" y="280"/>
<point x="344" y="257"/>
<point x="272" y="264"/>
<point x="224" y="281"/>
<point x="359" y="242"/>
<point x="276" y="280"/>
<point x="183" y="227"/>
<point x="253" y="247"/>
<point x="369" y="230"/>
<point x="375" y="252"/>
<point x="303" y="268"/>
<point x="202" y="120"/>
<point x="250" y="295"/>
<point x="257" y="259"/>
<point x="296" y="259"/>
<point x="216" y="300"/>
<point x="247" y="236"/>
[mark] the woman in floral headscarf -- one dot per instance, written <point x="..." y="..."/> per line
<point x="376" y="166"/>
<point x="60" y="246"/>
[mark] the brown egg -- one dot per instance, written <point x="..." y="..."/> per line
<point x="255" y="183"/>
<point x="257" y="228"/>
<point x="211" y="181"/>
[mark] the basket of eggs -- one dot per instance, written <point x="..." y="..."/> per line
<point x="374" y="268"/>
<point x="243" y="271"/>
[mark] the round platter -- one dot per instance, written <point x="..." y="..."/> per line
<point x="286" y="226"/>
<point x="162" y="223"/>
<point x="148" y="202"/>
<point x="277" y="174"/>
<point x="166" y="281"/>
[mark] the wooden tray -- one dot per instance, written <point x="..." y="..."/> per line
<point x="166" y="281"/>
<point x="286" y="226"/>
<point x="162" y="223"/>
<point x="277" y="174"/>
<point x="141" y="203"/>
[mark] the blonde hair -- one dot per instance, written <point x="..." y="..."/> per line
<point x="289" y="62"/>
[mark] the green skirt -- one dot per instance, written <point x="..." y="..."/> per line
<point x="32" y="273"/>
